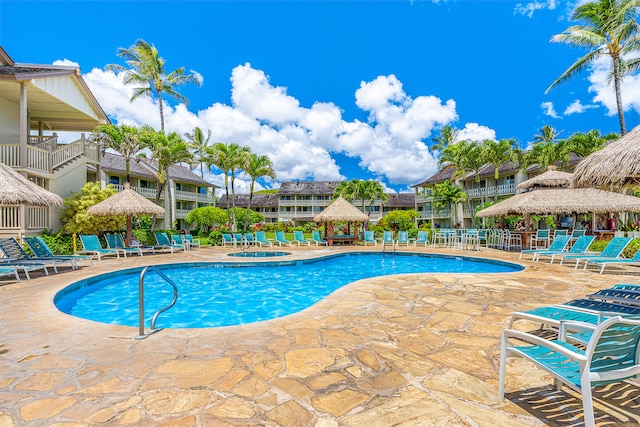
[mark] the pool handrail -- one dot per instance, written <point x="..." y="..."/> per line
<point x="166" y="278"/>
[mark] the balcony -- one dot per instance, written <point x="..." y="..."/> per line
<point x="149" y="193"/>
<point x="19" y="219"/>
<point x="428" y="214"/>
<point x="192" y="196"/>
<point x="504" y="189"/>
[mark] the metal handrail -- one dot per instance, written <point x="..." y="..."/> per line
<point x="141" y="333"/>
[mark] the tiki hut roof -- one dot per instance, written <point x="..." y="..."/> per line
<point x="126" y="202"/>
<point x="563" y="200"/>
<point x="340" y="210"/>
<point x="617" y="165"/>
<point x="551" y="178"/>
<point x="15" y="189"/>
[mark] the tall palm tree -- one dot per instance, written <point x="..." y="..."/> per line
<point x="347" y="189"/>
<point x="198" y="143"/>
<point x="546" y="151"/>
<point x="121" y="138"/>
<point x="583" y="144"/>
<point x="256" y="166"/>
<point x="448" y="136"/>
<point x="610" y="29"/>
<point x="497" y="153"/>
<point x="458" y="156"/>
<point x="228" y="158"/>
<point x="371" y="191"/>
<point x="146" y="71"/>
<point x="446" y="194"/>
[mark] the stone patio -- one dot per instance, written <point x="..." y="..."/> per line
<point x="407" y="350"/>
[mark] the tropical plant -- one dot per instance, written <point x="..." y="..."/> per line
<point x="609" y="29"/>
<point x="75" y="218"/>
<point x="445" y="195"/>
<point x="147" y="72"/>
<point x="583" y="144"/>
<point x="459" y="155"/>
<point x="198" y="143"/>
<point x="546" y="151"/>
<point x="228" y="158"/>
<point x="121" y="138"/>
<point x="497" y="153"/>
<point x="206" y="216"/>
<point x="448" y="136"/>
<point x="399" y="220"/>
<point x="256" y="166"/>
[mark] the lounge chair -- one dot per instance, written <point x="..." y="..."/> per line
<point x="298" y="237"/>
<point x="624" y="296"/>
<point x="178" y="239"/>
<point x="281" y="240"/>
<point x="635" y="260"/>
<point x="611" y="355"/>
<point x="261" y="239"/>
<point x="188" y="238"/>
<point x="40" y="249"/>
<point x="14" y="254"/>
<point x="423" y="239"/>
<point x="558" y="245"/>
<point x="238" y="238"/>
<point x="227" y="239"/>
<point x="613" y="250"/>
<point x="581" y="246"/>
<point x="248" y="239"/>
<point x="403" y="238"/>
<point x="369" y="238"/>
<point x="387" y="238"/>
<point x="23" y="266"/>
<point x="10" y="271"/>
<point x="163" y="242"/>
<point x="114" y="241"/>
<point x="317" y="239"/>
<point x="92" y="246"/>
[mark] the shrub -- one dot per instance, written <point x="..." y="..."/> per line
<point x="60" y="244"/>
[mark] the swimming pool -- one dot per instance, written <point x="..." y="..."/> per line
<point x="223" y="294"/>
<point x="259" y="254"/>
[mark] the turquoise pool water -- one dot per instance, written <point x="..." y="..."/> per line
<point x="223" y="294"/>
<point x="259" y="254"/>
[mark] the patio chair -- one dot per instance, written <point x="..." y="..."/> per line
<point x="281" y="239"/>
<point x="163" y="242"/>
<point x="14" y="254"/>
<point x="189" y="240"/>
<point x="92" y="246"/>
<point x="579" y="247"/>
<point x="403" y="238"/>
<point x="227" y="239"/>
<point x="423" y="239"/>
<point x="114" y="241"/>
<point x="559" y="244"/>
<point x="613" y="250"/>
<point x="40" y="249"/>
<point x="369" y="238"/>
<point x="611" y="355"/>
<point x="261" y="239"/>
<point x="10" y="271"/>
<point x="238" y="238"/>
<point x="387" y="238"/>
<point x="248" y="239"/>
<point x="624" y="296"/>
<point x="298" y="237"/>
<point x="178" y="239"/>
<point x="635" y="260"/>
<point x="540" y="240"/>
<point x="317" y="239"/>
<point x="557" y="233"/>
<point x="24" y="266"/>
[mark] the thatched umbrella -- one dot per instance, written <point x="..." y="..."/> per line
<point x="616" y="166"/>
<point x="551" y="178"/>
<point x="126" y="202"/>
<point x="15" y="189"/>
<point x="340" y="210"/>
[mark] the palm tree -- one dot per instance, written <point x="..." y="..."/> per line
<point x="546" y="151"/>
<point x="458" y="156"/>
<point x="198" y="143"/>
<point x="121" y="138"/>
<point x="446" y="194"/>
<point x="228" y="158"/>
<point x="347" y="189"/>
<point x="448" y="136"/>
<point x="256" y="166"/>
<point x="146" y="71"/>
<point x="610" y="29"/>
<point x="497" y="153"/>
<point x="583" y="144"/>
<point x="371" y="191"/>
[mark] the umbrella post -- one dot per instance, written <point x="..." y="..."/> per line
<point x="128" y="242"/>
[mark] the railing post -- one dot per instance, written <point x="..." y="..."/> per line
<point x="141" y="302"/>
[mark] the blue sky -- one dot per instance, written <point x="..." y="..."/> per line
<point x="334" y="90"/>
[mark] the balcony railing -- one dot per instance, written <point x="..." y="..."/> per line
<point x="149" y="193"/>
<point x="193" y="196"/>
<point x="37" y="218"/>
<point x="444" y="213"/>
<point x="503" y="189"/>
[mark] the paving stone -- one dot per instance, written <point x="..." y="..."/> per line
<point x="310" y="361"/>
<point x="177" y="401"/>
<point x="339" y="402"/>
<point x="233" y="408"/>
<point x="290" y="414"/>
<point x="45" y="408"/>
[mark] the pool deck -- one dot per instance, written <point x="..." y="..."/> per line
<point x="410" y="350"/>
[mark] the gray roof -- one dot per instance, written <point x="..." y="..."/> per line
<point x="401" y="200"/>
<point x="145" y="168"/>
<point x="258" y="200"/>
<point x="308" y="187"/>
<point x="441" y="176"/>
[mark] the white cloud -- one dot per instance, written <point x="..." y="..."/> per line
<point x="300" y="141"/>
<point x="66" y="62"/>
<point x="528" y="9"/>
<point x="475" y="132"/>
<point x="549" y="110"/>
<point x="576" y="107"/>
<point x="605" y="94"/>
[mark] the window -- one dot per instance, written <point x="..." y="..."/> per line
<point x="304" y="197"/>
<point x="115" y="180"/>
<point x="285" y="197"/>
<point x="304" y="209"/>
<point x="324" y="197"/>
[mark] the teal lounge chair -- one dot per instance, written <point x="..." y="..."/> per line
<point x="558" y="245"/>
<point x="248" y="239"/>
<point x="613" y="250"/>
<point x="92" y="246"/>
<point x="611" y="355"/>
<point x="317" y="239"/>
<point x="163" y="242"/>
<point x="261" y="239"/>
<point x="238" y="238"/>
<point x="281" y="240"/>
<point x="403" y="238"/>
<point x="40" y="249"/>
<point x="227" y="240"/>
<point x="10" y="271"/>
<point x="635" y="260"/>
<point x="178" y="239"/>
<point x="579" y="247"/>
<point x="114" y="241"/>
<point x="298" y="237"/>
<point x="423" y="239"/>
<point x="369" y="238"/>
<point x="387" y="238"/>
<point x="14" y="254"/>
